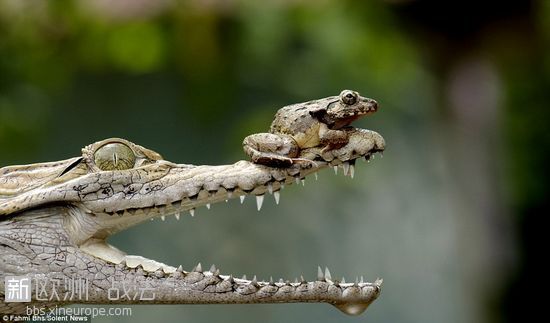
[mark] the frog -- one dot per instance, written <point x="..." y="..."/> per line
<point x="299" y="128"/>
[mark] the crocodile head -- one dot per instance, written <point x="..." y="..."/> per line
<point x="74" y="205"/>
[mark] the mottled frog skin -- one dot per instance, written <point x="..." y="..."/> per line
<point x="305" y="125"/>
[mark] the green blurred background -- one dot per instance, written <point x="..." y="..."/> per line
<point x="450" y="218"/>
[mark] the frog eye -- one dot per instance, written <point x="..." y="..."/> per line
<point x="114" y="156"/>
<point x="348" y="97"/>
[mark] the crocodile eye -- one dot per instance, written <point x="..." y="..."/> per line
<point x="114" y="156"/>
<point x="348" y="97"/>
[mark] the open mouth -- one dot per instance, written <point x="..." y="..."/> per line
<point x="351" y="297"/>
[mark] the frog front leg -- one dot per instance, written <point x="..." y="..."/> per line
<point x="333" y="139"/>
<point x="275" y="150"/>
<point x="360" y="142"/>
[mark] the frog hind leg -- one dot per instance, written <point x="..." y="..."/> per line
<point x="272" y="150"/>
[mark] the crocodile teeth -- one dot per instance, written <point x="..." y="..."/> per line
<point x="147" y="264"/>
<point x="163" y="217"/>
<point x="346" y="168"/>
<point x="327" y="274"/>
<point x="208" y="206"/>
<point x="320" y="275"/>
<point x="177" y="215"/>
<point x="297" y="180"/>
<point x="351" y="171"/>
<point x="270" y="188"/>
<point x="259" y="201"/>
<point x="303" y="182"/>
<point x="335" y="167"/>
<point x="198" y="268"/>
<point x="192" y="212"/>
<point x="316" y="176"/>
<point x="277" y="196"/>
<point x="242" y="198"/>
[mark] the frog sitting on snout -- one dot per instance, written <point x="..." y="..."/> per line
<point x="318" y="123"/>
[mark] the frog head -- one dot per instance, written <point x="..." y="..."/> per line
<point x="342" y="110"/>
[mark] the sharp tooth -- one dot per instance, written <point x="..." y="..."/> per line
<point x="180" y="269"/>
<point x="244" y="277"/>
<point x="213" y="268"/>
<point x="297" y="180"/>
<point x="343" y="281"/>
<point x="177" y="215"/>
<point x="282" y="185"/>
<point x="192" y="212"/>
<point x="270" y="188"/>
<point x="327" y="274"/>
<point x="242" y="198"/>
<point x="229" y="194"/>
<point x="320" y="275"/>
<point x="361" y="281"/>
<point x="208" y="206"/>
<point x="277" y="196"/>
<point x="162" y="217"/>
<point x="303" y="182"/>
<point x="316" y="176"/>
<point x="335" y="167"/>
<point x="351" y="171"/>
<point x="198" y="268"/>
<point x="346" y="168"/>
<point x="259" y="201"/>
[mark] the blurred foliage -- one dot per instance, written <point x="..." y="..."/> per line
<point x="464" y="95"/>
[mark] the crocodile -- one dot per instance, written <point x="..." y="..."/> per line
<point x="56" y="217"/>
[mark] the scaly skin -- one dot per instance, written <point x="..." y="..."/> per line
<point x="55" y="217"/>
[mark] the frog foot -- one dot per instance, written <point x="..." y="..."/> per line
<point x="361" y="142"/>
